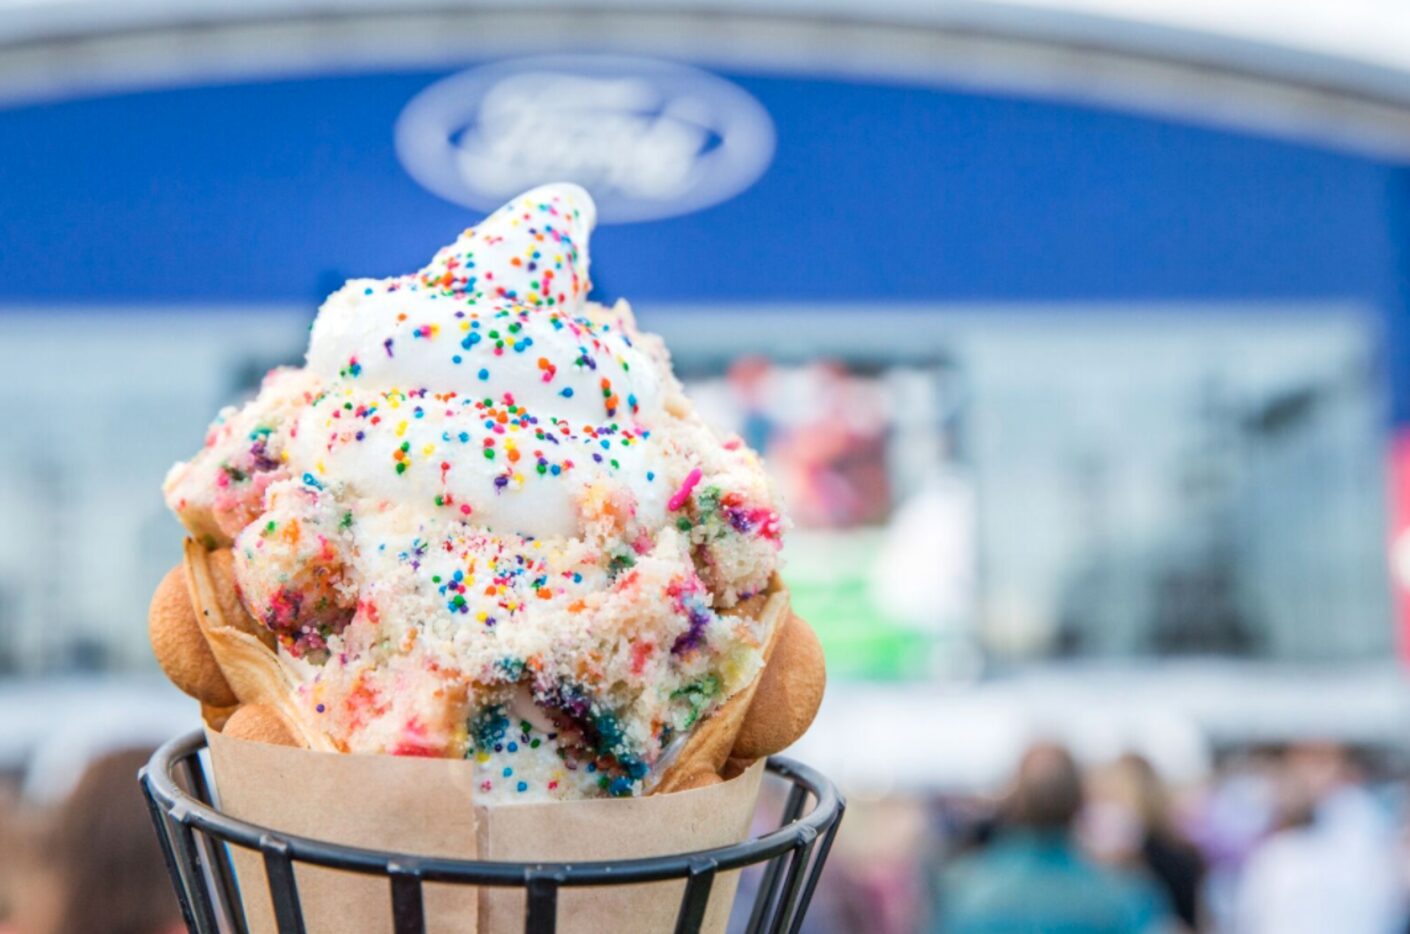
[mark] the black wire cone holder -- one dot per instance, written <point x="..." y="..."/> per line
<point x="195" y="838"/>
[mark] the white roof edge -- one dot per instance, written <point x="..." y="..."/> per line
<point x="1346" y="50"/>
<point x="1231" y="65"/>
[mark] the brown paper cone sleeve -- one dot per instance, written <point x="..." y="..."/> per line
<point x="427" y="807"/>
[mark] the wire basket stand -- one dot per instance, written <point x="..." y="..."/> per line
<point x="195" y="837"/>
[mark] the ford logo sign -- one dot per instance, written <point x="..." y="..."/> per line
<point x="649" y="139"/>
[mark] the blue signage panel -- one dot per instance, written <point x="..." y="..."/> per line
<point x="766" y="188"/>
<point x="716" y="188"/>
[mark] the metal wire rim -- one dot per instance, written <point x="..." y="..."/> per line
<point x="179" y="813"/>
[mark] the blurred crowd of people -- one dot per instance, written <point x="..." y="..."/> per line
<point x="89" y="864"/>
<point x="1302" y="839"/>
<point x="1286" y="841"/>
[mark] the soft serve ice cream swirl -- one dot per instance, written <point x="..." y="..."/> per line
<point x="483" y="520"/>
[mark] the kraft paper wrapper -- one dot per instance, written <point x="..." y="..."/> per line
<point x="426" y="807"/>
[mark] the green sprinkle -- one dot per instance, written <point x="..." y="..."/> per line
<point x="709" y="500"/>
<point x="620" y="562"/>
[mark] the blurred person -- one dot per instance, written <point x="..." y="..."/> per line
<point x="95" y="866"/>
<point x="11" y="852"/>
<point x="1033" y="879"/>
<point x="1130" y="822"/>
<point x="1233" y="815"/>
<point x="1332" y="864"/>
<point x="874" y="880"/>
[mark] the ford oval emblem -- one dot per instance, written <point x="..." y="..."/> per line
<point x="649" y="139"/>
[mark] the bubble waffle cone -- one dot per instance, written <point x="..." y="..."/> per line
<point x="212" y="649"/>
<point x="705" y="755"/>
<point x="180" y="645"/>
<point x="248" y="662"/>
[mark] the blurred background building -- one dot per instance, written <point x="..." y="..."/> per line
<point x="1075" y="332"/>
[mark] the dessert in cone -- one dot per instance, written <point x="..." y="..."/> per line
<point x="484" y="522"/>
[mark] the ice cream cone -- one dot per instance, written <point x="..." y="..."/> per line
<point x="484" y="521"/>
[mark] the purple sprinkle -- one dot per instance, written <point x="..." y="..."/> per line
<point x="263" y="461"/>
<point x="699" y="619"/>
